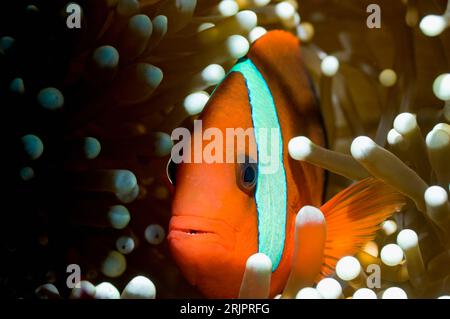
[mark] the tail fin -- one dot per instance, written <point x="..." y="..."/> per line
<point x="354" y="215"/>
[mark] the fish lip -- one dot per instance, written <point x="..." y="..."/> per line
<point x="190" y="231"/>
<point x="192" y="226"/>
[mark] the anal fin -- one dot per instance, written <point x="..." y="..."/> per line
<point x="354" y="215"/>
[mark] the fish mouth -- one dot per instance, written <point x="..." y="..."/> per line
<point x="190" y="231"/>
<point x="194" y="239"/>
<point x="201" y="228"/>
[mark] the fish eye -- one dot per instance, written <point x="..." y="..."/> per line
<point x="171" y="170"/>
<point x="247" y="176"/>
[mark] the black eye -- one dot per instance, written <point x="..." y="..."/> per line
<point x="171" y="170"/>
<point x="247" y="176"/>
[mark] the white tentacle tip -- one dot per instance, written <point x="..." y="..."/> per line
<point x="256" y="33"/>
<point x="441" y="87"/>
<point x="404" y="123"/>
<point x="329" y="288"/>
<point x="388" y="78"/>
<point x="394" y="137"/>
<point x="228" y="8"/>
<point x="300" y="147"/>
<point x="389" y="227"/>
<point x="237" y="45"/>
<point x="436" y="196"/>
<point x="437" y="139"/>
<point x="308" y="293"/>
<point x="348" y="268"/>
<point x="195" y="102"/>
<point x="309" y="215"/>
<point x="364" y="293"/>
<point x="259" y="263"/>
<point x="284" y="10"/>
<point x="391" y="255"/>
<point x="105" y="290"/>
<point x="362" y="147"/>
<point x="442" y="126"/>
<point x="213" y="74"/>
<point x="394" y="293"/>
<point x="247" y="19"/>
<point x="432" y="25"/>
<point x="139" y="287"/>
<point x="329" y="66"/>
<point x="407" y="239"/>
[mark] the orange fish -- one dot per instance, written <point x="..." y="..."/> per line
<point x="224" y="212"/>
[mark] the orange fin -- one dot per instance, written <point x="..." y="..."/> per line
<point x="354" y="215"/>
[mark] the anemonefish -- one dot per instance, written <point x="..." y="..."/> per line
<point x="222" y="213"/>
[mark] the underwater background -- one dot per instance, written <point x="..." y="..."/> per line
<point x="87" y="115"/>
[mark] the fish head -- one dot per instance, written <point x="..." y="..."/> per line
<point x="213" y="229"/>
